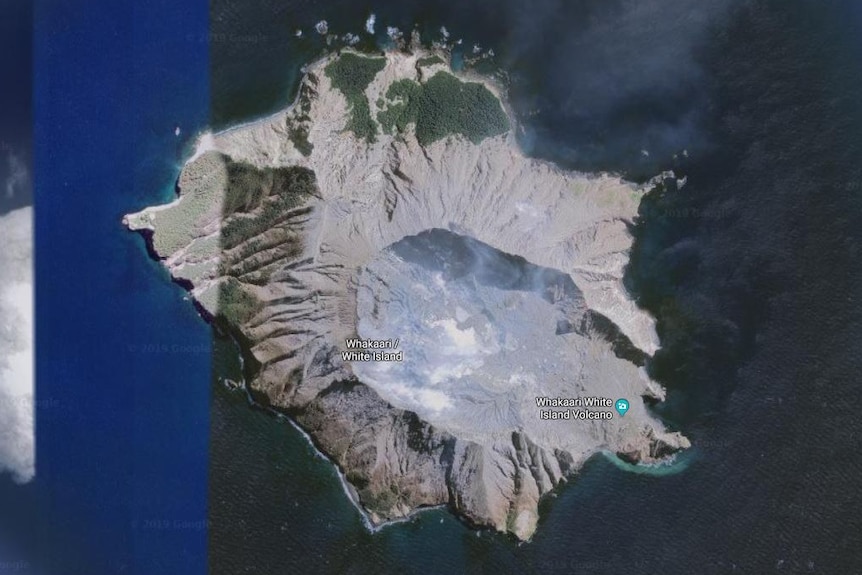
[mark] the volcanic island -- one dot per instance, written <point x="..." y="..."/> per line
<point x="443" y="315"/>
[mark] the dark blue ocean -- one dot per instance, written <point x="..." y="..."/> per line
<point x="123" y="361"/>
<point x="147" y="464"/>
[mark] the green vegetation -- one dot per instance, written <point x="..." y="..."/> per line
<point x="298" y="135"/>
<point x="430" y="61"/>
<point x="358" y="480"/>
<point x="381" y="501"/>
<point x="351" y="73"/>
<point x="442" y="106"/>
<point x="177" y="225"/>
<point x="237" y="304"/>
<point x="401" y="111"/>
<point x="257" y="204"/>
<point x="203" y="248"/>
<point x="259" y="199"/>
<point x="297" y="124"/>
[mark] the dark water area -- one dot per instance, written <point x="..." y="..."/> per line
<point x="123" y="391"/>
<point x="750" y="268"/>
<point x="257" y="57"/>
<point x="15" y="192"/>
<point x="16" y="110"/>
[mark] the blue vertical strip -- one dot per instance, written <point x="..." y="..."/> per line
<point x="123" y="362"/>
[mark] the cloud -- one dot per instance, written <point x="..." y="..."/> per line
<point x="18" y="177"/>
<point x="17" y="446"/>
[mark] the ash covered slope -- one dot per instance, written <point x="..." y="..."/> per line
<point x="391" y="201"/>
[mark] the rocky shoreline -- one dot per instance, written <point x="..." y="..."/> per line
<point x="298" y="232"/>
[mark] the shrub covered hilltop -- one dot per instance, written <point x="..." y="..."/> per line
<point x="442" y="105"/>
<point x="347" y="217"/>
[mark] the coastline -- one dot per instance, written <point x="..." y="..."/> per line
<point x="205" y="140"/>
<point x="367" y="521"/>
<point x="233" y="387"/>
<point x="208" y="141"/>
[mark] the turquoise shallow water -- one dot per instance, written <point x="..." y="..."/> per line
<point x="671" y="466"/>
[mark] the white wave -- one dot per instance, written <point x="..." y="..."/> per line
<point x="369" y="24"/>
<point x="394" y="33"/>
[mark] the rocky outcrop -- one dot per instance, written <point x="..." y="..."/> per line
<point x="391" y="202"/>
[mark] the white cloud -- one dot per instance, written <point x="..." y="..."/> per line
<point x="462" y="341"/>
<point x="17" y="446"/>
<point x="18" y="177"/>
<point x="419" y="399"/>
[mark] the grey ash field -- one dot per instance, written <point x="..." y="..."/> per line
<point x="391" y="201"/>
